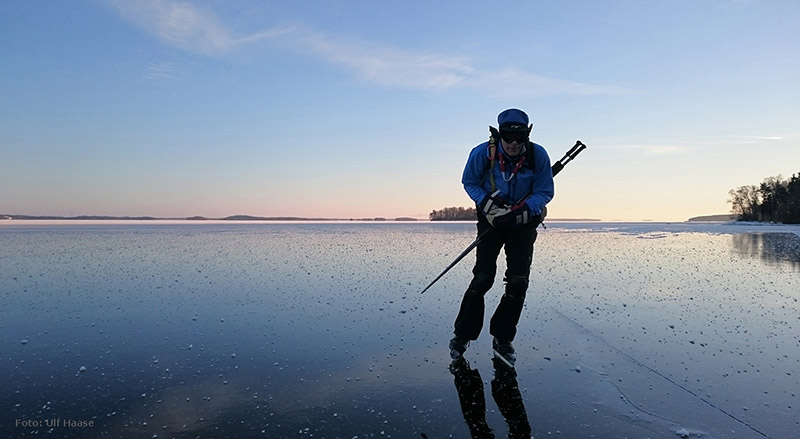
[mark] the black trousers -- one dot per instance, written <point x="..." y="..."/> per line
<point x="518" y="244"/>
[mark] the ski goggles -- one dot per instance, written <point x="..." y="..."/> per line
<point x="514" y="136"/>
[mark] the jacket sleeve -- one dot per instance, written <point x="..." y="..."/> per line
<point x="473" y="173"/>
<point x="543" y="187"/>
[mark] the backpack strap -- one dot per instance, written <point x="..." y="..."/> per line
<point x="529" y="155"/>
<point x="494" y="137"/>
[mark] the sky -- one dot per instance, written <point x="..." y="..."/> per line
<point x="361" y="109"/>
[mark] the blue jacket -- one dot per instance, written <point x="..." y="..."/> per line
<point x="540" y="179"/>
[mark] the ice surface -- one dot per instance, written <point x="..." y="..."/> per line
<point x="219" y="330"/>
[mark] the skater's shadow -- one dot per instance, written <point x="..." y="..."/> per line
<point x="505" y="391"/>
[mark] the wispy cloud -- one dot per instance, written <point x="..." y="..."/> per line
<point x="407" y="68"/>
<point x="185" y="25"/>
<point x="190" y="27"/>
<point x="386" y="65"/>
<point x="748" y="140"/>
<point x="159" y="71"/>
<point x="656" y="150"/>
<point x="530" y="84"/>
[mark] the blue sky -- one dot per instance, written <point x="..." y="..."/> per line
<point x="355" y="109"/>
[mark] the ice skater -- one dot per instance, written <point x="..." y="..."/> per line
<point x="511" y="181"/>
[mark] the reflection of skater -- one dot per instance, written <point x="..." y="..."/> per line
<point x="505" y="391"/>
<point x="470" y="394"/>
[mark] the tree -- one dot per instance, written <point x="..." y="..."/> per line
<point x="774" y="200"/>
<point x="793" y="200"/>
<point x="745" y="203"/>
<point x="774" y="197"/>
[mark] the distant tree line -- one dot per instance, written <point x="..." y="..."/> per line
<point x="775" y="200"/>
<point x="454" y="214"/>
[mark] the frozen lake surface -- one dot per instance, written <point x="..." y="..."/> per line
<point x="631" y="330"/>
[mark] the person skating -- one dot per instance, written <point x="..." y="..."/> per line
<point x="511" y="181"/>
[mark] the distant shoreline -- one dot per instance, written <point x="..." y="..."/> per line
<point x="713" y="218"/>
<point x="191" y="218"/>
<point x="6" y="217"/>
<point x="236" y="218"/>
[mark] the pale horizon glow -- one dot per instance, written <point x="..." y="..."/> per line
<point x="174" y="109"/>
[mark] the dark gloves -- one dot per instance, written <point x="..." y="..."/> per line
<point x="492" y="202"/>
<point x="502" y="216"/>
<point x="519" y="215"/>
<point x="493" y="206"/>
